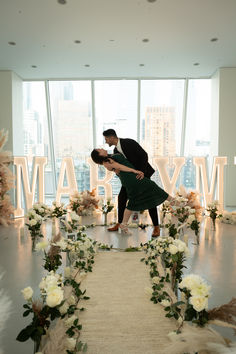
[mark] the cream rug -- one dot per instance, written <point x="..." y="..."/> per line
<point x="119" y="317"/>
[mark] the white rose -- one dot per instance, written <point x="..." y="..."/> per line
<point x="173" y="249"/>
<point x="165" y="303"/>
<point x="74" y="216"/>
<point x="63" y="309"/>
<point x="32" y="222"/>
<point x="201" y="290"/>
<point x="181" y="246"/>
<point x="27" y="293"/>
<point x="156" y="280"/>
<point x="67" y="272"/>
<point x="50" y="283"/>
<point x="62" y="244"/>
<point x="199" y="302"/>
<point x="71" y="300"/>
<point x="42" y="284"/>
<point x="42" y="245"/>
<point x="54" y="297"/>
<point x="38" y="217"/>
<point x="70" y="343"/>
<point x="69" y="321"/>
<point x="190" y="281"/>
<point x="191" y="218"/>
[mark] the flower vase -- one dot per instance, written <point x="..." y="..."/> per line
<point x="105" y="219"/>
<point x="214" y="224"/>
<point x="36" y="346"/>
<point x="34" y="239"/>
<point x="68" y="259"/>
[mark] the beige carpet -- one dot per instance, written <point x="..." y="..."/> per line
<point x="119" y="317"/>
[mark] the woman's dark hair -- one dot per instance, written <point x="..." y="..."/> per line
<point x="109" y="132"/>
<point x="97" y="158"/>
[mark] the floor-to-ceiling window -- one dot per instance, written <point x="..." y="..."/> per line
<point x="71" y="116"/>
<point x="36" y="132"/>
<point x="197" y="138"/>
<point x="161" y="114"/>
<point x="168" y="117"/>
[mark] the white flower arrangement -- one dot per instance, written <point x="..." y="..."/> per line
<point x="196" y="290"/>
<point x="229" y="217"/>
<point x="57" y="210"/>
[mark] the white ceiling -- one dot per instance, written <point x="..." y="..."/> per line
<point x="111" y="34"/>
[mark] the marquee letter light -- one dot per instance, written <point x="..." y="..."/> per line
<point x="161" y="164"/>
<point x="67" y="166"/>
<point x="29" y="195"/>
<point x="217" y="186"/>
<point x="95" y="182"/>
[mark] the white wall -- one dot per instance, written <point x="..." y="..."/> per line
<point x="6" y="106"/>
<point x="227" y="130"/>
<point x="11" y="111"/>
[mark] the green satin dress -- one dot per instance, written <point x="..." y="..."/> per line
<point x="142" y="194"/>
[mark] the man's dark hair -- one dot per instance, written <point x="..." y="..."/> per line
<point x="97" y="158"/>
<point x="109" y="132"/>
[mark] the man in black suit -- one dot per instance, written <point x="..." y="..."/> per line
<point x="136" y="155"/>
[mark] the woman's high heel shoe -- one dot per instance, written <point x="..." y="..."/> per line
<point x="124" y="229"/>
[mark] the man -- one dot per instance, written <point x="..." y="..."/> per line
<point x="139" y="159"/>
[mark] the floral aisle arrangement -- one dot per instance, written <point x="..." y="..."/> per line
<point x="196" y="293"/>
<point x="59" y="297"/>
<point x="184" y="211"/>
<point x="84" y="203"/>
<point x="57" y="210"/>
<point x="42" y="210"/>
<point x="213" y="212"/>
<point x="34" y="226"/>
<point x="162" y="256"/>
<point x="168" y="255"/>
<point x="71" y="225"/>
<point x="6" y="182"/>
<point x="106" y="208"/>
<point x="44" y="310"/>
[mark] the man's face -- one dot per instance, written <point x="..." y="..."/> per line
<point x="109" y="140"/>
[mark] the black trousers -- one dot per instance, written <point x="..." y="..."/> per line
<point x="122" y="201"/>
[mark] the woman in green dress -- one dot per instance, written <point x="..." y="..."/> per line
<point x="142" y="192"/>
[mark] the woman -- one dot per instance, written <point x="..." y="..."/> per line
<point x="142" y="192"/>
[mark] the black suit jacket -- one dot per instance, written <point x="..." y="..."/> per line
<point x="136" y="155"/>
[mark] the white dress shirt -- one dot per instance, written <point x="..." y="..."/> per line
<point x="119" y="148"/>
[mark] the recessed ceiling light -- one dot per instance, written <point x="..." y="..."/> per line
<point x="196" y="64"/>
<point x="12" y="43"/>
<point x="145" y="40"/>
<point x="77" y="41"/>
<point x="34" y="66"/>
<point x="214" y="39"/>
<point x="62" y="2"/>
<point x="141" y="64"/>
<point x="151" y="0"/>
<point x="111" y="40"/>
<point x="87" y="65"/>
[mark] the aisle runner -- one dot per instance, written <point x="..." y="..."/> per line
<point x="119" y="317"/>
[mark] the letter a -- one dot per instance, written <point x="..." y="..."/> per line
<point x="67" y="166"/>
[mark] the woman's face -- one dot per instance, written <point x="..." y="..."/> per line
<point x="102" y="152"/>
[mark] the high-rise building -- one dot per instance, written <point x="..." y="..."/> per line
<point x="159" y="131"/>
